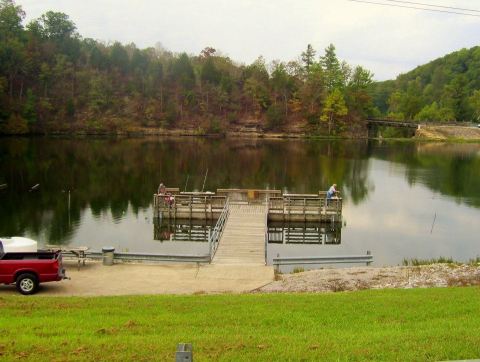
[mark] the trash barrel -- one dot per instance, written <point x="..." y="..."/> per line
<point x="107" y="252"/>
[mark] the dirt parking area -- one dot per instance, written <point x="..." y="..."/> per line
<point x="95" y="279"/>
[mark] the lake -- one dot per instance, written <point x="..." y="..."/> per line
<point x="402" y="200"/>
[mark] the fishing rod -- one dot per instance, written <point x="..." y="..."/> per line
<point x="205" y="180"/>
<point x="433" y="224"/>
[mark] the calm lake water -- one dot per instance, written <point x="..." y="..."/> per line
<point x="401" y="200"/>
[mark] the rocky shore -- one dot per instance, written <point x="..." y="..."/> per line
<point x="445" y="133"/>
<point x="350" y="279"/>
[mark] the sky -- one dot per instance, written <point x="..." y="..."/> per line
<point x="386" y="40"/>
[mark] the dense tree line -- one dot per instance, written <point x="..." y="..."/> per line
<point x="444" y="90"/>
<point x="52" y="79"/>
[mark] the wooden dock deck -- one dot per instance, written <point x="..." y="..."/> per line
<point x="240" y="233"/>
<point x="243" y="240"/>
<point x="305" y="207"/>
<point x="281" y="207"/>
<point x="189" y="205"/>
<point x="239" y="224"/>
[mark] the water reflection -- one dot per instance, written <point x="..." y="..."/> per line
<point x="304" y="240"/>
<point x="304" y="233"/>
<point x="391" y="191"/>
<point x="115" y="175"/>
<point x="182" y="230"/>
<point x="449" y="169"/>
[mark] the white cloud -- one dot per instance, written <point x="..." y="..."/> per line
<point x="386" y="40"/>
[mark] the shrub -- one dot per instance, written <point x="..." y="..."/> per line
<point x="15" y="124"/>
<point x="215" y="126"/>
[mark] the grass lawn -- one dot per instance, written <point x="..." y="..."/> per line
<point x="403" y="325"/>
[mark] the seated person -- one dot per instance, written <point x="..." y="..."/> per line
<point x="161" y="189"/>
<point x="332" y="192"/>
<point x="168" y="197"/>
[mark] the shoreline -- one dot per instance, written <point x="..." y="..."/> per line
<point x="439" y="134"/>
<point x="144" y="133"/>
<point x="96" y="280"/>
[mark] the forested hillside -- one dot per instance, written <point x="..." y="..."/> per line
<point x="444" y="90"/>
<point x="53" y="80"/>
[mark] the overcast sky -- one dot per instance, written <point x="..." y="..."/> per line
<point x="386" y="40"/>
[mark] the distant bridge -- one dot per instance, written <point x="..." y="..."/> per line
<point x="392" y="123"/>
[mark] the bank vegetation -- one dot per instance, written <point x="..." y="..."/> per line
<point x="54" y="80"/>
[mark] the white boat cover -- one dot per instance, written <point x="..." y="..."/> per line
<point x="18" y="244"/>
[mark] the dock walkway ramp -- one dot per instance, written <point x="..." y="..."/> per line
<point x="243" y="240"/>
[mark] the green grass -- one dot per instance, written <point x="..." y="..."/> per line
<point x="441" y="260"/>
<point x="401" y="325"/>
<point x="419" y="262"/>
<point x="474" y="261"/>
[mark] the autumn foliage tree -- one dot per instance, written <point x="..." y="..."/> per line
<point x="52" y="79"/>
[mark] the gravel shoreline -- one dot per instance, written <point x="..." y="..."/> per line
<point x="350" y="279"/>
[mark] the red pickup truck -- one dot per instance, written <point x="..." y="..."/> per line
<point x="26" y="268"/>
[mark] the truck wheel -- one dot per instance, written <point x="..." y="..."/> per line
<point x="27" y="283"/>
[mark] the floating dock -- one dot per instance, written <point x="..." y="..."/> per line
<point x="241" y="217"/>
<point x="279" y="207"/>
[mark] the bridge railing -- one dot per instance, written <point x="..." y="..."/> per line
<point x="217" y="231"/>
<point x="188" y="205"/>
<point x="266" y="229"/>
<point x="393" y="123"/>
<point x="334" y="259"/>
<point x="248" y="195"/>
<point x="307" y="204"/>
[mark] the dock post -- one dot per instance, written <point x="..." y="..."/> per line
<point x="211" y="208"/>
<point x="305" y="210"/>
<point x="155" y="208"/>
<point x="289" y="209"/>
<point x="191" y="202"/>
<point x="277" y="266"/>
<point x="174" y="211"/>
<point x="205" y="207"/>
<point x="320" y="238"/>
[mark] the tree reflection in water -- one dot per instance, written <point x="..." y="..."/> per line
<point x="116" y="178"/>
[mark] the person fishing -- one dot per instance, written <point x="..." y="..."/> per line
<point x="332" y="192"/>
<point x="168" y="197"/>
<point x="161" y="189"/>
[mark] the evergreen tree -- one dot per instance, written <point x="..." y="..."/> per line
<point x="308" y="57"/>
<point x="334" y="76"/>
